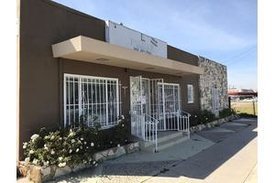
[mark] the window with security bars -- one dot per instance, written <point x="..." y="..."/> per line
<point x="89" y="99"/>
<point x="190" y="94"/>
<point x="169" y="98"/>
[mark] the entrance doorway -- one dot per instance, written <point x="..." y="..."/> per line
<point x="155" y="106"/>
<point x="169" y="106"/>
<point x="143" y="98"/>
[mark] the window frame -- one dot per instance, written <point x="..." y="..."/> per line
<point x="190" y="88"/>
<point x="81" y="106"/>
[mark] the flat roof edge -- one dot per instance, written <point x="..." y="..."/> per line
<point x="86" y="48"/>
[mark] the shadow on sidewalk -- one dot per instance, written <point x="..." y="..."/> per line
<point x="198" y="166"/>
<point x="204" y="163"/>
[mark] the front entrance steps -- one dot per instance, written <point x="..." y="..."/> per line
<point x="166" y="139"/>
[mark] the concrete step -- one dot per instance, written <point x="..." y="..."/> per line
<point x="167" y="137"/>
<point x="164" y="141"/>
<point x="167" y="144"/>
<point x="163" y="137"/>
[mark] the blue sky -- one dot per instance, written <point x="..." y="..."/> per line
<point x="224" y="31"/>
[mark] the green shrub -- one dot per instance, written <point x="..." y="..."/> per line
<point x="246" y="115"/>
<point x="202" y="117"/>
<point x="206" y="117"/>
<point x="72" y="145"/>
<point x="226" y="112"/>
<point x="121" y="132"/>
<point x="194" y="119"/>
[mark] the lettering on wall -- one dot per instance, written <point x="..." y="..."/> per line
<point x="123" y="36"/>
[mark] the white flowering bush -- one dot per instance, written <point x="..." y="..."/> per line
<point x="61" y="148"/>
<point x="72" y="146"/>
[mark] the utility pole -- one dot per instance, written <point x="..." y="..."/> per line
<point x="253" y="103"/>
<point x="229" y="102"/>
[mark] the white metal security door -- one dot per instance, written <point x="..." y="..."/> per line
<point x="155" y="105"/>
<point x="137" y="117"/>
<point x="141" y="108"/>
<point x="154" y="102"/>
<point x="169" y="106"/>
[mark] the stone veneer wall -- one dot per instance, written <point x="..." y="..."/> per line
<point x="215" y="76"/>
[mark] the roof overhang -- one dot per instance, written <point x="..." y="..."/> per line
<point x="86" y="49"/>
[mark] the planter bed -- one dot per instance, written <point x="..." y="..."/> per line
<point x="212" y="124"/>
<point x="39" y="174"/>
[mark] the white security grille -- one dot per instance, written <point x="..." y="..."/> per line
<point x="155" y="109"/>
<point x="155" y="106"/>
<point x="144" y="103"/>
<point x="143" y="125"/>
<point x="91" y="99"/>
<point x="169" y="105"/>
<point x="137" y="118"/>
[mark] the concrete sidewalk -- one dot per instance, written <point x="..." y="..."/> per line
<point x="253" y="176"/>
<point x="141" y="165"/>
<point x="214" y="155"/>
<point x="230" y="161"/>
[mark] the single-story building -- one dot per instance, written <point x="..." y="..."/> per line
<point x="238" y="94"/>
<point x="73" y="66"/>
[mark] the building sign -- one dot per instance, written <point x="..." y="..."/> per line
<point x="123" y="36"/>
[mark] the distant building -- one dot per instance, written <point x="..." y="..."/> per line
<point x="242" y="93"/>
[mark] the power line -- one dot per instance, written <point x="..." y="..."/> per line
<point x="239" y="54"/>
<point x="245" y="53"/>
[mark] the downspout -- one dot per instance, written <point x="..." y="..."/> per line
<point x="18" y="80"/>
<point x="60" y="91"/>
